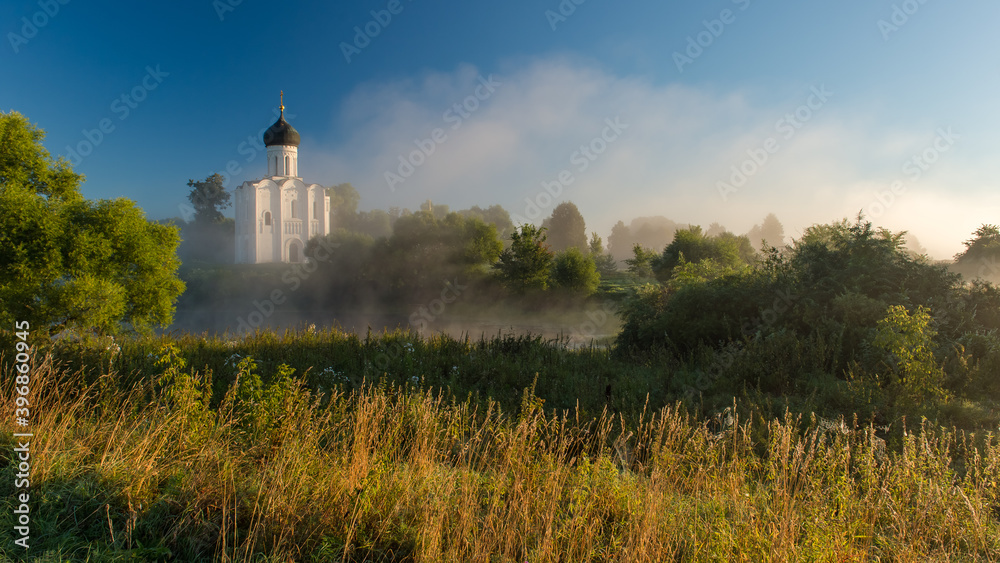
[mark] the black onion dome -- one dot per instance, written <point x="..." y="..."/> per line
<point x="281" y="133"/>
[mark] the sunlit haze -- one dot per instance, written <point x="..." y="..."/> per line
<point x="705" y="112"/>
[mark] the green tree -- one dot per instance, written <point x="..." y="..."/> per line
<point x="344" y="200"/>
<point x="691" y="245"/>
<point x="640" y="264"/>
<point x="525" y="264"/>
<point x="567" y="228"/>
<point x="981" y="257"/>
<point x="494" y="214"/>
<point x="619" y="244"/>
<point x="69" y="263"/>
<point x="208" y="197"/>
<point x="909" y="341"/>
<point x="575" y="272"/>
<point x="605" y="263"/>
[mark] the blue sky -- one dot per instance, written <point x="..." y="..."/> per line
<point x="828" y="108"/>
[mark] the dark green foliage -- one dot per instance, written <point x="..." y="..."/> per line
<point x="566" y="228"/>
<point x="525" y="264"/>
<point x="495" y="215"/>
<point x="70" y="263"/>
<point x="605" y="263"/>
<point x="691" y="245"/>
<point x="828" y="308"/>
<point x="575" y="272"/>
<point x="208" y="197"/>
<point x="641" y="263"/>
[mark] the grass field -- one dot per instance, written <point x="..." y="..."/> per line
<point x="327" y="446"/>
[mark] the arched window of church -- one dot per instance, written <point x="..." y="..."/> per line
<point x="267" y="218"/>
<point x="287" y="169"/>
<point x="292" y="208"/>
<point x="315" y="211"/>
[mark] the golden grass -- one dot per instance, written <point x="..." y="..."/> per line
<point x="396" y="474"/>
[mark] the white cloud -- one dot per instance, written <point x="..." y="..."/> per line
<point x="680" y="142"/>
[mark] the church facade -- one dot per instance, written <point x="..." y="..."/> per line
<point x="277" y="215"/>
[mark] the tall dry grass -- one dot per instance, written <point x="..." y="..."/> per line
<point x="390" y="473"/>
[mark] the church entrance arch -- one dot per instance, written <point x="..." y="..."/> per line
<point x="294" y="251"/>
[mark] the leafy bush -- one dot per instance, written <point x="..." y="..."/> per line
<point x="574" y="271"/>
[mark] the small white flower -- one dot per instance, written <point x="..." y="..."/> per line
<point x="415" y="380"/>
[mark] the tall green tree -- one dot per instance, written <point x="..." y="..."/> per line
<point x="619" y="244"/>
<point x="605" y="263"/>
<point x="640" y="265"/>
<point x="525" y="264"/>
<point x="70" y="263"/>
<point x="575" y="272"/>
<point x="566" y="228"/>
<point x="209" y="197"/>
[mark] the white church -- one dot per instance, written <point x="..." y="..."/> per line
<point x="277" y="215"/>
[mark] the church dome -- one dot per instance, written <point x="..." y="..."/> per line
<point x="281" y="133"/>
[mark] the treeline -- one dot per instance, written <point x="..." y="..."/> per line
<point x="846" y="316"/>
<point x="398" y="255"/>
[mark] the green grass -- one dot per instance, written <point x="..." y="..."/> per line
<point x="302" y="447"/>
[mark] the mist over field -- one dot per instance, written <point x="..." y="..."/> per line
<point x="546" y="281"/>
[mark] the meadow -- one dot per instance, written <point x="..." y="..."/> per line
<point x="321" y="445"/>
